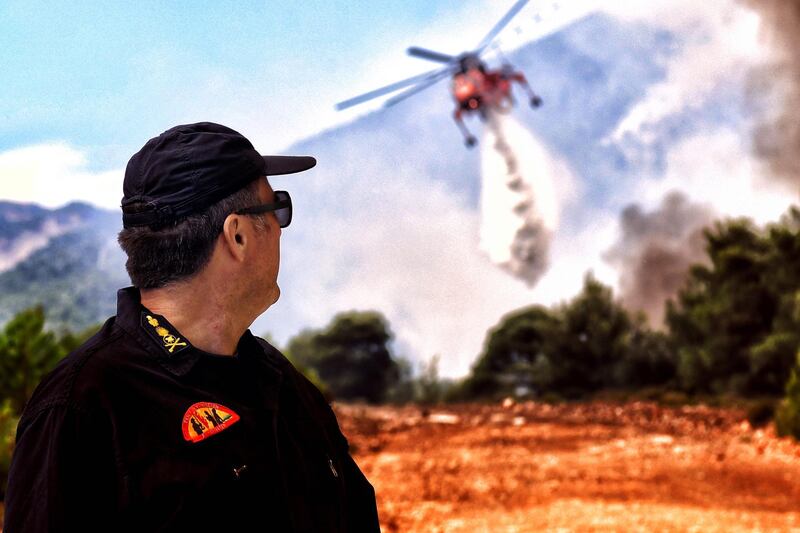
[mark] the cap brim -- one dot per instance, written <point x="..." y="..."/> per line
<point x="287" y="164"/>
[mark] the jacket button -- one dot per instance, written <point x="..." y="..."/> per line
<point x="238" y="472"/>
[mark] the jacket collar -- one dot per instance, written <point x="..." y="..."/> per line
<point x="161" y="339"/>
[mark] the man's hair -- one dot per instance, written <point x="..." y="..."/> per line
<point x="160" y="256"/>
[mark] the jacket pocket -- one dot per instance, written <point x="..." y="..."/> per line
<point x="174" y="489"/>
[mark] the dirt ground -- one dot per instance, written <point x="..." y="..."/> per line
<point x="589" y="467"/>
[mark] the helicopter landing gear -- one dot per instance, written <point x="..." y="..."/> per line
<point x="469" y="139"/>
<point x="534" y="99"/>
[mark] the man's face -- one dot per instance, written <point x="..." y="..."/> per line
<point x="267" y="253"/>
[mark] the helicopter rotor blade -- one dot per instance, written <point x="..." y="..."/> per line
<point x="430" y="55"/>
<point x="502" y="23"/>
<point x="444" y="73"/>
<point x="386" y="89"/>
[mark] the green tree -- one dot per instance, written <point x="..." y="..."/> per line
<point x="787" y="416"/>
<point x="592" y="341"/>
<point x="722" y="310"/>
<point x="27" y="353"/>
<point x="351" y="356"/>
<point x="299" y="352"/>
<point x="8" y="430"/>
<point x="516" y="352"/>
<point x="772" y="358"/>
<point x="735" y="323"/>
<point x="404" y="389"/>
<point x="430" y="388"/>
<point x="649" y="359"/>
<point x="576" y="348"/>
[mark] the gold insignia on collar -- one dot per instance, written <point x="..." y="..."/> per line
<point x="170" y="341"/>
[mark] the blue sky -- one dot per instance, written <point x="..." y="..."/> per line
<point x="85" y="84"/>
<point x="101" y="74"/>
<point x="105" y="76"/>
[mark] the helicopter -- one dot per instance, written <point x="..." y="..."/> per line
<point x="475" y="88"/>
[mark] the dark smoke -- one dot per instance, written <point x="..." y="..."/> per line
<point x="775" y="90"/>
<point x="656" y="250"/>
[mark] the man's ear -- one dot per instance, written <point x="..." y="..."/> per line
<point x="233" y="237"/>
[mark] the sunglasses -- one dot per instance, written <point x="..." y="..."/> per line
<point x="282" y="207"/>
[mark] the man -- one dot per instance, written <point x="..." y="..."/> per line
<point x="174" y="417"/>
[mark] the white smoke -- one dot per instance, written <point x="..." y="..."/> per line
<point x="519" y="211"/>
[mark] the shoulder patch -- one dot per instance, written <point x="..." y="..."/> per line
<point x="156" y="326"/>
<point x="204" y="419"/>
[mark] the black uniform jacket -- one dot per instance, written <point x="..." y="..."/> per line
<point x="139" y="431"/>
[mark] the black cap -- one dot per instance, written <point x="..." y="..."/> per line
<point x="190" y="167"/>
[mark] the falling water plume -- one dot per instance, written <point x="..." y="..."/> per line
<point x="519" y="212"/>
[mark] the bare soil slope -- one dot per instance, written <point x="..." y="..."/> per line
<point x="588" y="467"/>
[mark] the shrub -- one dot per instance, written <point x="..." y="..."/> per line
<point x="787" y="416"/>
<point x="760" y="413"/>
<point x="8" y="429"/>
<point x="350" y="356"/>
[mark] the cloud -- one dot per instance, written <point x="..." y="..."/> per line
<point x="717" y="168"/>
<point x="576" y="251"/>
<point x="54" y="174"/>
<point x="718" y="43"/>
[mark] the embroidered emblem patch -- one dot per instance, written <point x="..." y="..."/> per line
<point x="205" y="419"/>
<point x="171" y="342"/>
